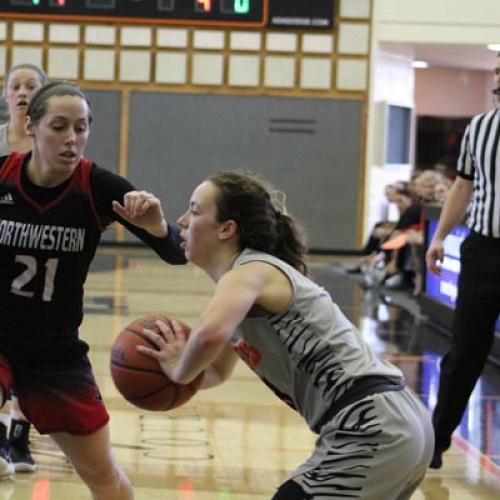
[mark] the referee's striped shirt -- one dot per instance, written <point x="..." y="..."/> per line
<point x="479" y="161"/>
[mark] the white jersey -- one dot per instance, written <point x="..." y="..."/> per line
<point x="309" y="354"/>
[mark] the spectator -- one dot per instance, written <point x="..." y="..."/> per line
<point x="425" y="184"/>
<point x="441" y="190"/>
<point x="381" y="231"/>
<point x="425" y="187"/>
<point x="390" y="266"/>
<point x="398" y="263"/>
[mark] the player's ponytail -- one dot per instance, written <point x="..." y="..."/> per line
<point x="261" y="217"/>
<point x="290" y="245"/>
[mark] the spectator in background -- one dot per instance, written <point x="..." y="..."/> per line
<point x="390" y="265"/>
<point x="425" y="185"/>
<point x="381" y="231"/>
<point x="448" y="173"/>
<point x="390" y="210"/>
<point x="402" y="185"/>
<point x="425" y="188"/>
<point x="21" y="82"/>
<point x="441" y="190"/>
<point x="398" y="268"/>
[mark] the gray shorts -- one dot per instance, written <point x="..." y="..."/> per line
<point x="376" y="448"/>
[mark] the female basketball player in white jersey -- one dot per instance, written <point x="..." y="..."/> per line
<point x="375" y="438"/>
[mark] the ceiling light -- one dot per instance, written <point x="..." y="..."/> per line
<point x="494" y="46"/>
<point x="420" y="64"/>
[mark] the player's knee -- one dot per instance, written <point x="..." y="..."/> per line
<point x="291" y="490"/>
<point x="102" y="476"/>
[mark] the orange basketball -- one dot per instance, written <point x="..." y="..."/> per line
<point x="138" y="377"/>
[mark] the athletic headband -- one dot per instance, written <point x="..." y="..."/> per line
<point x="54" y="89"/>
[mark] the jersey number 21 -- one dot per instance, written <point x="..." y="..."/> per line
<point x="29" y="273"/>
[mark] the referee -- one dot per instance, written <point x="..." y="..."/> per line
<point x="478" y="300"/>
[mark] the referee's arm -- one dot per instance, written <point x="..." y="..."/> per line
<point x="454" y="208"/>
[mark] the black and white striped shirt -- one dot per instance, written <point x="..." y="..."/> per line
<point x="479" y="161"/>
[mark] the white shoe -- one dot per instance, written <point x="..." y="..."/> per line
<point x="395" y="281"/>
<point x="6" y="466"/>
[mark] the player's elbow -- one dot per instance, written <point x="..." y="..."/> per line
<point x="174" y="258"/>
<point x="211" y="338"/>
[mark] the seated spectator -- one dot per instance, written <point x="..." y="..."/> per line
<point x="448" y="172"/>
<point x="397" y="260"/>
<point x="441" y="190"/>
<point x="410" y="218"/>
<point x="425" y="186"/>
<point x="402" y="185"/>
<point x="380" y="231"/>
<point x="389" y="210"/>
<point x="393" y="262"/>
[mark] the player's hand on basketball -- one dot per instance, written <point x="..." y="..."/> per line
<point x="435" y="254"/>
<point x="143" y="209"/>
<point x="170" y="340"/>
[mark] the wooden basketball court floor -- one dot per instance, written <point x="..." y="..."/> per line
<point x="238" y="441"/>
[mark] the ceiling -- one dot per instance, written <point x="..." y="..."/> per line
<point x="476" y="57"/>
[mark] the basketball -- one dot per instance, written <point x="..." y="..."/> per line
<point x="139" y="378"/>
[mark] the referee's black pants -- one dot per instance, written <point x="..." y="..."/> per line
<point x="476" y="311"/>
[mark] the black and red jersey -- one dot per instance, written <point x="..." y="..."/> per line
<point x="48" y="238"/>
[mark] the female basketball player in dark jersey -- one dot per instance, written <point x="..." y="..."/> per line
<point x="375" y="438"/>
<point x="54" y="205"/>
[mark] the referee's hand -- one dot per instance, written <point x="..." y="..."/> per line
<point x="435" y="255"/>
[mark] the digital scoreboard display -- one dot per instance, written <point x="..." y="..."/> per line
<point x="239" y="12"/>
<point x="285" y="14"/>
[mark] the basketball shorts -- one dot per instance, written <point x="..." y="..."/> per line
<point x="378" y="447"/>
<point x="62" y="400"/>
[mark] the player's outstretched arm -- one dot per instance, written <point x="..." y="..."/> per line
<point x="178" y="332"/>
<point x="143" y="209"/>
<point x="182" y="360"/>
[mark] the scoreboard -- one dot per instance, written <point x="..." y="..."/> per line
<point x="241" y="12"/>
<point x="314" y="14"/>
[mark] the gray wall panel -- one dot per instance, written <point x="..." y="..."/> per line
<point x="307" y="147"/>
<point x="104" y="141"/>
